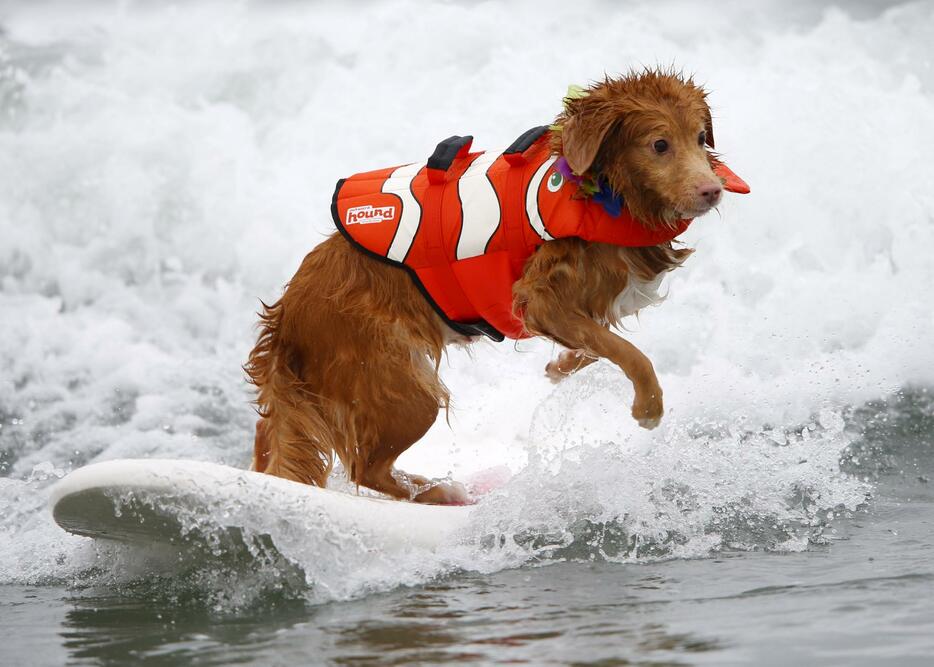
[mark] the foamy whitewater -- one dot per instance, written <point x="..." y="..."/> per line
<point x="161" y="170"/>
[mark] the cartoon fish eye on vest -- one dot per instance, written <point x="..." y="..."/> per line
<point x="463" y="224"/>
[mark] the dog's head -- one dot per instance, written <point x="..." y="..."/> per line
<point x="647" y="135"/>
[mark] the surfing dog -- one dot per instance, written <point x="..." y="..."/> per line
<point x="346" y="362"/>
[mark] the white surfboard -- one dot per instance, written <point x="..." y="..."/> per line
<point x="190" y="504"/>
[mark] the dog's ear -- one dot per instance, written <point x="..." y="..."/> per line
<point x="708" y="127"/>
<point x="581" y="136"/>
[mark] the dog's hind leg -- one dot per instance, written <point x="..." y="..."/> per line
<point x="260" y="448"/>
<point x="396" y="418"/>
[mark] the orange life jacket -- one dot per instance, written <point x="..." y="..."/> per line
<point x="463" y="224"/>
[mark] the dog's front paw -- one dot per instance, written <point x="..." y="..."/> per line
<point x="554" y="372"/>
<point x="650" y="423"/>
<point x="567" y="362"/>
<point x="648" y="408"/>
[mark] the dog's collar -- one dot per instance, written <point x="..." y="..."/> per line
<point x="611" y="201"/>
<point x="596" y="189"/>
<point x="587" y="184"/>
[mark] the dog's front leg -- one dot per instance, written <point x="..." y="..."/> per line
<point x="579" y="332"/>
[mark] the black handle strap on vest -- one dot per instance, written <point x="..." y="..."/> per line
<point x="445" y="153"/>
<point x="449" y="150"/>
<point x="525" y="140"/>
<point x="514" y="154"/>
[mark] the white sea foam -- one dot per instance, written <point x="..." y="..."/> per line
<point x="162" y="169"/>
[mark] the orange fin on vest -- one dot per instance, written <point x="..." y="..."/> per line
<point x="731" y="181"/>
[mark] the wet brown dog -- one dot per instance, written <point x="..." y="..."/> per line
<point x="347" y="360"/>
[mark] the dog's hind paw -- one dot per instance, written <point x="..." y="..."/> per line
<point x="444" y="493"/>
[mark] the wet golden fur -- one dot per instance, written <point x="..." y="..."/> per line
<point x="347" y="360"/>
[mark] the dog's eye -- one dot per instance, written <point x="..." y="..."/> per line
<point x="702" y="138"/>
<point x="660" y="146"/>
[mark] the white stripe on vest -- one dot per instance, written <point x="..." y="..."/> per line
<point x="480" y="210"/>
<point x="531" y="199"/>
<point x="399" y="183"/>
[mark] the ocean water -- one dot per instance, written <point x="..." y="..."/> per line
<point x="164" y="167"/>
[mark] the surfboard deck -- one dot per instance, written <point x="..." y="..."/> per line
<point x="190" y="503"/>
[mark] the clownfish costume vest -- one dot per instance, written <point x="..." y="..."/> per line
<point x="463" y="224"/>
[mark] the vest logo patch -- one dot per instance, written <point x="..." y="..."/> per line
<point x="369" y="214"/>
